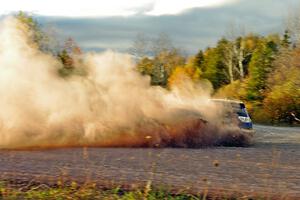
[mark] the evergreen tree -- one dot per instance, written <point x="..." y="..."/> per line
<point x="260" y="66"/>
<point x="286" y="41"/>
<point x="199" y="59"/>
<point x="213" y="68"/>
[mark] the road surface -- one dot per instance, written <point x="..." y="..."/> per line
<point x="270" y="167"/>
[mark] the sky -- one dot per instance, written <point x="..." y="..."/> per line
<point x="98" y="25"/>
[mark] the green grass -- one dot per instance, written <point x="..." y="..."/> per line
<point x="92" y="192"/>
<point x="86" y="193"/>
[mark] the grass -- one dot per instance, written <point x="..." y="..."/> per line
<point x="92" y="192"/>
<point x="62" y="189"/>
<point x="89" y="192"/>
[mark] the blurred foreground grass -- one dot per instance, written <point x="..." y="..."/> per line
<point x="88" y="193"/>
<point x="91" y="192"/>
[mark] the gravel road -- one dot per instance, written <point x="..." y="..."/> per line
<point x="271" y="166"/>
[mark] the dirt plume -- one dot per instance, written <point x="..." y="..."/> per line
<point x="113" y="105"/>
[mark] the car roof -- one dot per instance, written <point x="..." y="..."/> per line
<point x="227" y="101"/>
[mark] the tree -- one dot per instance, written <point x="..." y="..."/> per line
<point x="260" y="67"/>
<point x="163" y="65"/>
<point x="145" y="66"/>
<point x="70" y="57"/>
<point x="178" y="77"/>
<point x="233" y="55"/>
<point x="66" y="59"/>
<point x="235" y="51"/>
<point x="250" y="42"/>
<point x="283" y="95"/>
<point x="293" y="25"/>
<point x="193" y="70"/>
<point x="286" y="41"/>
<point x="213" y="68"/>
<point x="38" y="37"/>
<point x="71" y="47"/>
<point x="228" y="50"/>
<point x="181" y="74"/>
<point x="240" y="51"/>
<point x="140" y="46"/>
<point x="159" y="60"/>
<point x="199" y="59"/>
<point x="162" y="43"/>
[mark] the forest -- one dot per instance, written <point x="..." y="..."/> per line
<point x="261" y="70"/>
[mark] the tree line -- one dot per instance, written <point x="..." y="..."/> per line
<point x="262" y="71"/>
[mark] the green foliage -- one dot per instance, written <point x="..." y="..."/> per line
<point x="271" y="89"/>
<point x="161" y="66"/>
<point x="262" y="71"/>
<point x="90" y="192"/>
<point x="145" y="66"/>
<point x="286" y="41"/>
<point x="229" y="60"/>
<point x="199" y="59"/>
<point x="213" y="68"/>
<point x="283" y="97"/>
<point x="164" y="64"/>
<point x="66" y="72"/>
<point x="66" y="59"/>
<point x="70" y="57"/>
<point x="86" y="193"/>
<point x="161" y="59"/>
<point x="259" y="68"/>
<point x="235" y="90"/>
<point x="249" y="44"/>
<point x="38" y="36"/>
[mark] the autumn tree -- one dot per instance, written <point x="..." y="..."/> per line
<point x="228" y="61"/>
<point x="71" y="59"/>
<point x="228" y="50"/>
<point x="157" y="59"/>
<point x="37" y="35"/>
<point x="235" y="53"/>
<point x="283" y="94"/>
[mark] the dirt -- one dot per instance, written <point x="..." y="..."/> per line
<point x="270" y="167"/>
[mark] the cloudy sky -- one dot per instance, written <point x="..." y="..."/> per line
<point x="191" y="24"/>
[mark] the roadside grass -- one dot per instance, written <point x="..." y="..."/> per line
<point x="92" y="192"/>
<point x="63" y="189"/>
<point x="88" y="193"/>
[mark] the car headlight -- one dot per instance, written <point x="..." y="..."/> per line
<point x="245" y="119"/>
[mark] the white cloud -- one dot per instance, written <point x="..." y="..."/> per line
<point x="162" y="7"/>
<point x="98" y="8"/>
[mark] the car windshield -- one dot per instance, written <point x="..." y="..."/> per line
<point x="240" y="109"/>
<point x="232" y="107"/>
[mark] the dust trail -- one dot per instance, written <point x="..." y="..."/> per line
<point x="112" y="106"/>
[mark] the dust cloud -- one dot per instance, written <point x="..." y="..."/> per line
<point x="112" y="106"/>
